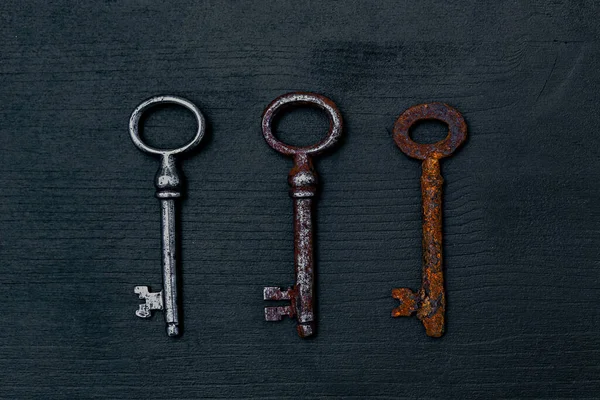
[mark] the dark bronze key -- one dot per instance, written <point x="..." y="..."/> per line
<point x="303" y="182"/>
<point x="429" y="303"/>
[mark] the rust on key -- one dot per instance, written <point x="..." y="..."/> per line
<point x="303" y="187"/>
<point x="429" y="303"/>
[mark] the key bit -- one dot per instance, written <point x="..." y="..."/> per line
<point x="168" y="185"/>
<point x="276" y="313"/>
<point x="303" y="188"/>
<point x="154" y="301"/>
<point x="429" y="303"/>
<point x="276" y="294"/>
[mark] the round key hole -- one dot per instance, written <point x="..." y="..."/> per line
<point x="301" y="126"/>
<point x="300" y="99"/>
<point x="167" y="126"/>
<point x="428" y="131"/>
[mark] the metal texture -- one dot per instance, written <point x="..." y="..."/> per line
<point x="303" y="182"/>
<point x="168" y="183"/>
<point x="429" y="303"/>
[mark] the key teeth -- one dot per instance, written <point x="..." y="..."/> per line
<point x="143" y="311"/>
<point x="141" y="291"/>
<point x="276" y="313"/>
<point x="275" y="293"/>
<point x="153" y="301"/>
<point x="409" y="302"/>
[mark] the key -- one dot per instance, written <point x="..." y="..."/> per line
<point x="168" y="183"/>
<point x="429" y="303"/>
<point x="303" y="182"/>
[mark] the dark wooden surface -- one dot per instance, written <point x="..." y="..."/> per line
<point x="80" y="226"/>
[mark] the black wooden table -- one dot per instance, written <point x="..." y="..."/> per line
<point x="80" y="226"/>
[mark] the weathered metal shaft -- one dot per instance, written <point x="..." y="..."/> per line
<point x="429" y="303"/>
<point x="169" y="267"/>
<point x="168" y="190"/>
<point x="303" y="182"/>
<point x="432" y="296"/>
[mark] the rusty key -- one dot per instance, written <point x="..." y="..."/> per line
<point x="303" y="182"/>
<point x="429" y="303"/>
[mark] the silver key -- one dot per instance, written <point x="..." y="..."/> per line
<point x="168" y="190"/>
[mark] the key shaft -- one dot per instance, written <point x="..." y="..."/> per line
<point x="430" y="302"/>
<point x="303" y="182"/>
<point x="169" y="266"/>
<point x="168" y="189"/>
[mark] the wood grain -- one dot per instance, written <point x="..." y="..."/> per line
<point x="81" y="226"/>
